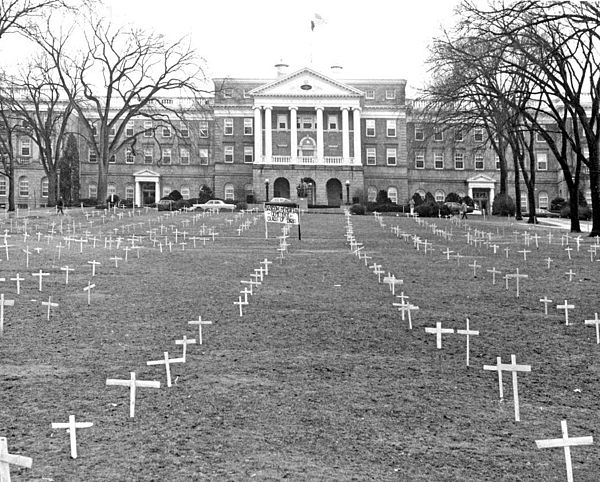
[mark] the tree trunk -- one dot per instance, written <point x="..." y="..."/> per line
<point x="102" y="183"/>
<point x="52" y="187"/>
<point x="11" y="186"/>
<point x="595" y="231"/>
<point x="574" y="208"/>
<point x="518" y="215"/>
<point x="531" y="200"/>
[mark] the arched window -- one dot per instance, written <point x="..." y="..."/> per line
<point x="421" y="193"/>
<point x="392" y="194"/>
<point x="111" y="189"/>
<point x="44" y="189"/>
<point x="166" y="191"/>
<point x="440" y="195"/>
<point x="543" y="200"/>
<point x="229" y="192"/>
<point x="185" y="192"/>
<point x="129" y="192"/>
<point x="23" y="186"/>
<point x="461" y="193"/>
<point x="3" y="184"/>
<point x="92" y="190"/>
<point x="371" y="194"/>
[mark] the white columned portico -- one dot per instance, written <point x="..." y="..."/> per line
<point x="138" y="194"/>
<point x="320" y="147"/>
<point x="345" y="134"/>
<point x="293" y="132"/>
<point x="257" y="134"/>
<point x="357" y="145"/>
<point x="268" y="134"/>
<point x="146" y="176"/>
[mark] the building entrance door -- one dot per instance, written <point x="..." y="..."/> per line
<point x="334" y="193"/>
<point x="148" y="192"/>
<point x="481" y="198"/>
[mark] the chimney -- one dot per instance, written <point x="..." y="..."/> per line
<point x="281" y="67"/>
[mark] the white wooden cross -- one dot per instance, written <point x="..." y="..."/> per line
<point x="438" y="331"/>
<point x="185" y="342"/>
<point x="468" y="333"/>
<point x="448" y="252"/>
<point x="66" y="269"/>
<point x="246" y="292"/>
<point x="514" y="368"/>
<point x="4" y="303"/>
<point x="549" y="260"/>
<point x="517" y="276"/>
<point x="166" y="362"/>
<point x="18" y="279"/>
<point x="71" y="427"/>
<point x="392" y="281"/>
<point x="89" y="288"/>
<point x="475" y="266"/>
<point x="524" y="251"/>
<point x="570" y="274"/>
<point x="49" y="304"/>
<point x="494" y="272"/>
<point x="568" y="249"/>
<point x="566" y="443"/>
<point x="40" y="275"/>
<point x="94" y="263"/>
<point x="458" y="256"/>
<point x="27" y="253"/>
<point x="199" y="322"/>
<point x="240" y="303"/>
<point x="566" y="307"/>
<point x="595" y="321"/>
<point x="116" y="259"/>
<point x="546" y="301"/>
<point x="6" y="460"/>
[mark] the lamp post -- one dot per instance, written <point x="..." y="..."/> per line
<point x="347" y="192"/>
<point x="267" y="190"/>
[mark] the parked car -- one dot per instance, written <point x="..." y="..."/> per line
<point x="214" y="205"/>
<point x="280" y="200"/>
<point x="165" y="205"/>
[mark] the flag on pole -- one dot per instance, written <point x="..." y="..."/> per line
<point x="316" y="20"/>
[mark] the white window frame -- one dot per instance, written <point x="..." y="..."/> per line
<point x="438" y="157"/>
<point x="111" y="189"/>
<point x="229" y="192"/>
<point x="45" y="187"/>
<point x="129" y="192"/>
<point x="438" y="135"/>
<point x="458" y="134"/>
<point x="92" y="157"/>
<point x="392" y="194"/>
<point x="497" y="162"/>
<point x="184" y="155"/>
<point x="185" y="192"/>
<point x="543" y="200"/>
<point x="148" y="128"/>
<point x="541" y="160"/>
<point x="248" y="154"/>
<point x="228" y="154"/>
<point x="370" y="128"/>
<point x="282" y="122"/>
<point x="23" y="186"/>
<point x="478" y="161"/>
<point x="390" y="94"/>
<point x="371" y="153"/>
<point x="419" y="159"/>
<point x="203" y="159"/>
<point x="3" y="186"/>
<point x="459" y="157"/>
<point x="166" y="131"/>
<point x="372" y="194"/>
<point x="129" y="157"/>
<point x="130" y="129"/>
<point x="478" y="135"/>
<point x="419" y="134"/>
<point x="112" y="159"/>
<point x="203" y="129"/>
<point x="148" y="155"/>
<point x="184" y="130"/>
<point x="439" y="195"/>
<point x="332" y="122"/>
<point x="92" y="190"/>
<point x="390" y="128"/>
<point x="391" y="156"/>
<point x="167" y="156"/>
<point x="370" y="94"/>
<point x="228" y="126"/>
<point x="248" y="126"/>
<point x="25" y="147"/>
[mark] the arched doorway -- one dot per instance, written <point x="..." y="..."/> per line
<point x="311" y="190"/>
<point x="281" y="187"/>
<point x="307" y="147"/>
<point x="334" y="193"/>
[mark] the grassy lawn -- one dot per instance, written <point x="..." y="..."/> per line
<point x="320" y="379"/>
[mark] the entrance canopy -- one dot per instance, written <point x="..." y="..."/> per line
<point x="146" y="176"/>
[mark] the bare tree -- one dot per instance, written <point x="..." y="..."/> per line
<point x="11" y="128"/>
<point x="18" y="15"/>
<point x="119" y="75"/>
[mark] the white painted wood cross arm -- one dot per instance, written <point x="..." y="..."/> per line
<point x="6" y="460"/>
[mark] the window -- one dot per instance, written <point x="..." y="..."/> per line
<point x="392" y="194"/>
<point x="419" y="160"/>
<point x="542" y="161"/>
<point x="390" y="94"/>
<point x="543" y="200"/>
<point x="129" y="129"/>
<point x="185" y="192"/>
<point x="478" y="161"/>
<point x="112" y="159"/>
<point x="92" y="157"/>
<point x="440" y="196"/>
<point x="3" y="185"/>
<point x="371" y="194"/>
<point x="371" y="156"/>
<point x="390" y="155"/>
<point x="184" y="155"/>
<point x="306" y="122"/>
<point x="129" y="192"/>
<point x="370" y="94"/>
<point x="419" y="134"/>
<point x="524" y="201"/>
<point x="332" y="122"/>
<point x="94" y="130"/>
<point x="438" y="160"/>
<point x="391" y="128"/>
<point x="44" y="189"/>
<point x="92" y="190"/>
<point x="203" y="129"/>
<point x="228" y="153"/>
<point x="421" y="193"/>
<point x="112" y="131"/>
<point x="148" y="128"/>
<point x="26" y="147"/>
<point x="370" y="124"/>
<point x="229" y="192"/>
<point x="497" y="160"/>
<point x="129" y="158"/>
<point x="184" y="130"/>
<point x="458" y="134"/>
<point x="478" y="135"/>
<point x="227" y="93"/>
<point x="539" y="137"/>
<point x="438" y="135"/>
<point x="166" y="158"/>
<point x="228" y="122"/>
<point x="166" y="131"/>
<point x="23" y="186"/>
<point x="166" y="191"/>
<point x="203" y="155"/>
<point x="459" y="160"/>
<point x="248" y="154"/>
<point x="111" y="190"/>
<point x="148" y="155"/>
<point x="248" y="126"/>
<point x="282" y="122"/>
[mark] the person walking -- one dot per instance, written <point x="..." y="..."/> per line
<point x="463" y="210"/>
<point x="60" y="205"/>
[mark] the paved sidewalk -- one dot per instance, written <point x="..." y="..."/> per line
<point x="561" y="223"/>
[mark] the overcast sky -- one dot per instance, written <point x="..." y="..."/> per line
<point x="373" y="38"/>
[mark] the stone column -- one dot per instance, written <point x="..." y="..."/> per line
<point x="320" y="146"/>
<point x="257" y="135"/>
<point x="138" y="194"/>
<point x="345" y="135"/>
<point x="470" y="192"/>
<point x="157" y="195"/>
<point x="492" y="192"/>
<point x="357" y="144"/>
<point x="293" y="133"/>
<point x="268" y="136"/>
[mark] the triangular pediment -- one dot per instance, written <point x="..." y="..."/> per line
<point x="146" y="173"/>
<point x="481" y="178"/>
<point x="305" y="83"/>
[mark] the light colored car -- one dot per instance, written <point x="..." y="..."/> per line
<point x="280" y="200"/>
<point x="214" y="205"/>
